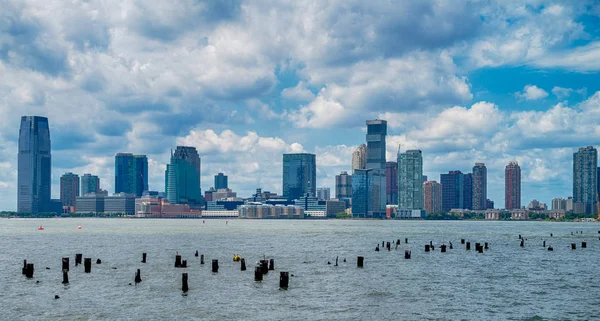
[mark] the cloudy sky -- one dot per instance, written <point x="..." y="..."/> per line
<point x="245" y="81"/>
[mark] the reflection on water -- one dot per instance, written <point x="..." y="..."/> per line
<point x="505" y="282"/>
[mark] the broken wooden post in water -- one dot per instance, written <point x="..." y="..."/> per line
<point x="468" y="246"/>
<point x="550" y="248"/>
<point x="360" y="261"/>
<point x="65" y="263"/>
<point x="243" y="265"/>
<point x="284" y="279"/>
<point x="271" y="265"/>
<point x="522" y="242"/>
<point x="24" y="270"/>
<point x="87" y="264"/>
<point x="78" y="258"/>
<point x="462" y="241"/>
<point x="388" y="245"/>
<point x="177" y="261"/>
<point x="406" y="240"/>
<point x="138" y="276"/>
<point x="264" y="266"/>
<point x="143" y="257"/>
<point x="29" y="270"/>
<point x="202" y="259"/>
<point x="258" y="275"/>
<point x="407" y="254"/>
<point x="215" y="266"/>
<point x="426" y="247"/>
<point x="184" y="282"/>
<point x="573" y="246"/>
<point x="98" y="261"/>
<point x="196" y="254"/>
<point x="65" y="277"/>
<point x="486" y="246"/>
<point x="443" y="248"/>
<point x="184" y="263"/>
<point x="583" y="245"/>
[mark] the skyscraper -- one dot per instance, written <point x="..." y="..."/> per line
<point x="468" y="191"/>
<point x="359" y="157"/>
<point x="323" y="193"/>
<point x="141" y="174"/>
<point x="585" y="176"/>
<point x="512" y="186"/>
<point x="432" y="197"/>
<point x="221" y="181"/>
<point x="452" y="190"/>
<point x="89" y="184"/>
<point x="343" y="185"/>
<point x="69" y="189"/>
<point x="131" y="173"/>
<point x="34" y="165"/>
<point x="369" y="184"/>
<point x="410" y="180"/>
<point x="391" y="183"/>
<point x="182" y="177"/>
<point x="479" y="186"/>
<point x="299" y="175"/>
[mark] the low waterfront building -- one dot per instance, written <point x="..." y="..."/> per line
<point x="260" y="210"/>
<point x="492" y="215"/>
<point x="334" y="206"/>
<point x="403" y="213"/>
<point x="122" y="203"/>
<point x="519" y="214"/>
<point x="148" y="206"/>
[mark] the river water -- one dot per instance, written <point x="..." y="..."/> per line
<point x="507" y="282"/>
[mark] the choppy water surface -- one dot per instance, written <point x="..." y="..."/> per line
<point x="507" y="282"/>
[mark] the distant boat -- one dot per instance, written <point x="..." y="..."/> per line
<point x="79" y="227"/>
<point x="41" y="228"/>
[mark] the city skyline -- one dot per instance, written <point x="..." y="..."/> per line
<point x="503" y="82"/>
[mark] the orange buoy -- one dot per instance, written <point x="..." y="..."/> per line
<point x="79" y="227"/>
<point x="41" y="228"/>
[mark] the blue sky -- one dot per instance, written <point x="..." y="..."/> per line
<point x="245" y="81"/>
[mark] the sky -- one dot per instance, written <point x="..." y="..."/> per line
<point x="246" y="81"/>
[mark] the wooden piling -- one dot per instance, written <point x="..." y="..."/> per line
<point x="143" y="257"/>
<point x="407" y="254"/>
<point x="486" y="246"/>
<point x="78" y="258"/>
<point x="583" y="245"/>
<point x="65" y="276"/>
<point x="336" y="261"/>
<point x="462" y="241"/>
<point x="550" y="248"/>
<point x="87" y="264"/>
<point x="443" y="247"/>
<point x="29" y="270"/>
<point x="177" y="261"/>
<point x="202" y="259"/>
<point x="24" y="270"/>
<point x="65" y="263"/>
<point x="284" y="279"/>
<point x="184" y="263"/>
<point x="388" y="246"/>
<point x="138" y="276"/>
<point x="184" y="282"/>
<point x="520" y="237"/>
<point x="426" y="247"/>
<point x="360" y="261"/>
<point x="450" y="245"/>
<point x="522" y="243"/>
<point x="258" y="275"/>
<point x="264" y="266"/>
<point x="468" y="246"/>
<point x="544" y="243"/>
<point x="377" y="248"/>
<point x="406" y="240"/>
<point x="98" y="261"/>
<point x="480" y="249"/>
<point x="215" y="266"/>
<point x="573" y="246"/>
<point x="243" y="265"/>
<point x="196" y="254"/>
<point x="271" y="265"/>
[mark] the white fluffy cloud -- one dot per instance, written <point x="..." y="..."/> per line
<point x="531" y="92"/>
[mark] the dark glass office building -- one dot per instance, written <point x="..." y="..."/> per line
<point x="452" y="190"/>
<point x="221" y="181"/>
<point x="131" y="174"/>
<point x="182" y="177"/>
<point x="468" y="191"/>
<point x="299" y="175"/>
<point x="34" y="165"/>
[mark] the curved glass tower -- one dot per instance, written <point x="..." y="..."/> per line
<point x="34" y="165"/>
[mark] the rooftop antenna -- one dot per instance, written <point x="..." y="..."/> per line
<point x="399" y="147"/>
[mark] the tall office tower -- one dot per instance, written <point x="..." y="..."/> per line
<point x="432" y="197"/>
<point x="359" y="157"/>
<point x="89" y="184"/>
<point x="141" y="174"/>
<point x="479" y="186"/>
<point x="512" y="186"/>
<point x="69" y="189"/>
<point x="452" y="190"/>
<point x="468" y="191"/>
<point x="585" y="176"/>
<point x="131" y="173"/>
<point x="410" y="180"/>
<point x="221" y="181"/>
<point x="343" y="185"/>
<point x="34" y="165"/>
<point x="299" y="175"/>
<point x="182" y="177"/>
<point x="425" y="178"/>
<point x="323" y="193"/>
<point x="391" y="183"/>
<point x="369" y="184"/>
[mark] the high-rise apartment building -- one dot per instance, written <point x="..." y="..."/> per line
<point x="69" y="189"/>
<point x="131" y="174"/>
<point x="299" y="175"/>
<point x="479" y="186"/>
<point x="391" y="182"/>
<point x="452" y="190"/>
<point x="343" y="185"/>
<point x="512" y="186"/>
<point x="559" y="204"/>
<point x="432" y="197"/>
<point x="182" y="177"/>
<point x="468" y="191"/>
<point x="410" y="180"/>
<point x="585" y="177"/>
<point x="369" y="184"/>
<point x="323" y="193"/>
<point x="34" y="165"/>
<point x="89" y="184"/>
<point x="221" y="181"/>
<point x="359" y="157"/>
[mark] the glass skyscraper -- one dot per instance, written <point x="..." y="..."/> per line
<point x="299" y="175"/>
<point x="131" y="174"/>
<point x="585" y="175"/>
<point x="410" y="180"/>
<point x="182" y="177"/>
<point x="221" y="181"/>
<point x="34" y="165"/>
<point x="468" y="191"/>
<point x="391" y="182"/>
<point x="452" y="190"/>
<point x="89" y="184"/>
